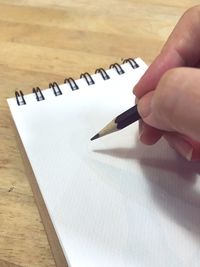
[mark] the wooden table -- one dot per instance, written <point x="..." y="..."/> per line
<point x="47" y="40"/>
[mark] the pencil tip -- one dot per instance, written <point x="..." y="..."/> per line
<point x="95" y="137"/>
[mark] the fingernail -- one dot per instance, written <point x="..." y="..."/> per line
<point x="182" y="147"/>
<point x="144" y="105"/>
<point x="134" y="90"/>
<point x="141" y="128"/>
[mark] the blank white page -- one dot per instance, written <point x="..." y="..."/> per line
<point x="113" y="201"/>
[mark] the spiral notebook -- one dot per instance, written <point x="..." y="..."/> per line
<point x="113" y="201"/>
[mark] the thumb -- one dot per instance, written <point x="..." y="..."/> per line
<point x="175" y="104"/>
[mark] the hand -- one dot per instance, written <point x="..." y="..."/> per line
<point x="169" y="92"/>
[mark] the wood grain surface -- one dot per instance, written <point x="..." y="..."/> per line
<point x="46" y="40"/>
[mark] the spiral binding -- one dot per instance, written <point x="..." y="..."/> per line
<point x="88" y="78"/>
<point x="56" y="88"/>
<point x="132" y="62"/>
<point x="118" y="68"/>
<point x="38" y="94"/>
<point x="20" y="98"/>
<point x="103" y="73"/>
<point x="73" y="85"/>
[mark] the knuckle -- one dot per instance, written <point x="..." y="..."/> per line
<point x="192" y="11"/>
<point x="165" y="95"/>
<point x="166" y="85"/>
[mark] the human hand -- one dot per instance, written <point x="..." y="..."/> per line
<point x="169" y="92"/>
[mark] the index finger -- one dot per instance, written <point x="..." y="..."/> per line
<point x="181" y="49"/>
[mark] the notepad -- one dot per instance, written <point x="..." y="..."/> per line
<point x="113" y="201"/>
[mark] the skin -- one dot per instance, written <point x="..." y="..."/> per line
<point x="168" y="94"/>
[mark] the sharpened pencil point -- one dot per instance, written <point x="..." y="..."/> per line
<point x="95" y="137"/>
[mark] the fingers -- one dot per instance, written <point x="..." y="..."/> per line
<point x="186" y="147"/>
<point x="181" y="49"/>
<point x="147" y="134"/>
<point x="175" y="109"/>
<point x="175" y="104"/>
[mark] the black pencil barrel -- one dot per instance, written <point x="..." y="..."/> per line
<point x="126" y="118"/>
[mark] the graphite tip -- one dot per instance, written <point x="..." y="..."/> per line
<point x="95" y="137"/>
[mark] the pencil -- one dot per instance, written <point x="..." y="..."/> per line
<point x="121" y="121"/>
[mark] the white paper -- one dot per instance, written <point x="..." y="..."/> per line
<point x="113" y="201"/>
